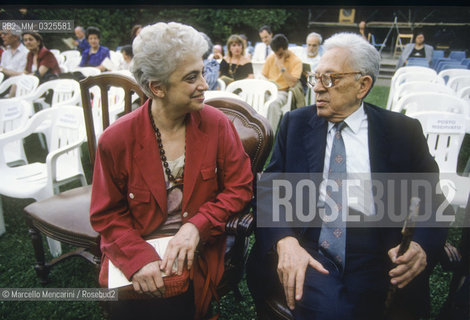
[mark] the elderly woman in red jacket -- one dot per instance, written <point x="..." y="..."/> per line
<point x="40" y="61"/>
<point x="173" y="166"/>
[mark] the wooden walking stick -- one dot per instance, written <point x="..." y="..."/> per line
<point x="407" y="234"/>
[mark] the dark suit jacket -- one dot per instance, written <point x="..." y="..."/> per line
<point x="396" y="145"/>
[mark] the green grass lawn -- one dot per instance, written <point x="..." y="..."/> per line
<point x="17" y="260"/>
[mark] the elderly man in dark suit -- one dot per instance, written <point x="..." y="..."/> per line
<point x="319" y="281"/>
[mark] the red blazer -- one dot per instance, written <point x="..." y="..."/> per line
<point x="129" y="195"/>
<point x="45" y="58"/>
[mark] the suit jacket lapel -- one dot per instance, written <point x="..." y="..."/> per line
<point x="147" y="157"/>
<point x="378" y="145"/>
<point x="196" y="143"/>
<point x="315" y="142"/>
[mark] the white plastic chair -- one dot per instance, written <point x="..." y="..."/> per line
<point x="418" y="87"/>
<point x="65" y="133"/>
<point x="413" y="69"/>
<point x="430" y="101"/>
<point x="221" y="85"/>
<point x="13" y="116"/>
<point x="70" y="54"/>
<point x="25" y="84"/>
<point x="56" y="52"/>
<point x="64" y="92"/>
<point x="448" y="74"/>
<point x="209" y="94"/>
<point x="257" y="69"/>
<point x="464" y="94"/>
<point x="116" y="57"/>
<point x="458" y="82"/>
<point x="257" y="93"/>
<point x="115" y="106"/>
<point x="72" y="63"/>
<point x="2" y="75"/>
<point x="406" y="70"/>
<point x="87" y="71"/>
<point x="444" y="133"/>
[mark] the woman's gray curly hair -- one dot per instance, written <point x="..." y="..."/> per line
<point x="159" y="48"/>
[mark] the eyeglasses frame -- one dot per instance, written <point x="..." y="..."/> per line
<point x="333" y="77"/>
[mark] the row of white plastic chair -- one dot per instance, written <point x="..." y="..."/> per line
<point x="415" y="73"/>
<point x="444" y="132"/>
<point x="64" y="130"/>
<point x="257" y="93"/>
<point x="70" y="59"/>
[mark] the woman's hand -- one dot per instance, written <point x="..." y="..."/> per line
<point x="181" y="247"/>
<point x="149" y="279"/>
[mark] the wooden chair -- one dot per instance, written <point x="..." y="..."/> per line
<point x="400" y="44"/>
<point x="65" y="217"/>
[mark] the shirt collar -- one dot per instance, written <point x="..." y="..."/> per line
<point x="353" y="121"/>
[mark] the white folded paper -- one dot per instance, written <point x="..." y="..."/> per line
<point x="117" y="279"/>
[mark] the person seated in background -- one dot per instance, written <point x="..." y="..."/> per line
<point x="248" y="53"/>
<point x="313" y="51"/>
<point x="127" y="55"/>
<point x="40" y="61"/>
<point x="217" y="53"/>
<point x="283" y="68"/>
<point x="263" y="49"/>
<point x="418" y="49"/>
<point x="211" y="66"/>
<point x="362" y="30"/>
<point x="14" y="57"/>
<point x="142" y="162"/>
<point x="235" y="66"/>
<point x="81" y="42"/>
<point x="94" y="56"/>
<point x="135" y="31"/>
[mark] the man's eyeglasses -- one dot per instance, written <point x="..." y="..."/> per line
<point x="328" y="80"/>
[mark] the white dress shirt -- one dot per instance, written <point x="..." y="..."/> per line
<point x="356" y="143"/>
<point x="260" y="52"/>
<point x="15" y="61"/>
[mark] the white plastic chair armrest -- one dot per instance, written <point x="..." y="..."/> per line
<point x="51" y="159"/>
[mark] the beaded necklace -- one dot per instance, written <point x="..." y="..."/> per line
<point x="232" y="72"/>
<point x="168" y="173"/>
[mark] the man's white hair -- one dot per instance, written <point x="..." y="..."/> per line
<point x="314" y="34"/>
<point x="159" y="48"/>
<point x="362" y="55"/>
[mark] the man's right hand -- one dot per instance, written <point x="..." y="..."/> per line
<point x="149" y="279"/>
<point x="291" y="268"/>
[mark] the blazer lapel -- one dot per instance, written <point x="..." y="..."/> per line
<point x="378" y="145"/>
<point x="315" y="142"/>
<point x="147" y="157"/>
<point x="196" y="144"/>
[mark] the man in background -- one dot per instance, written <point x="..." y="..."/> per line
<point x="312" y="53"/>
<point x="14" y="58"/>
<point x="81" y="42"/>
<point x="283" y="68"/>
<point x="263" y="49"/>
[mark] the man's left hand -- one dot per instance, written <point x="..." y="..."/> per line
<point x="409" y="265"/>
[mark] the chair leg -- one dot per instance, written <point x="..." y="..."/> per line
<point x="42" y="270"/>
